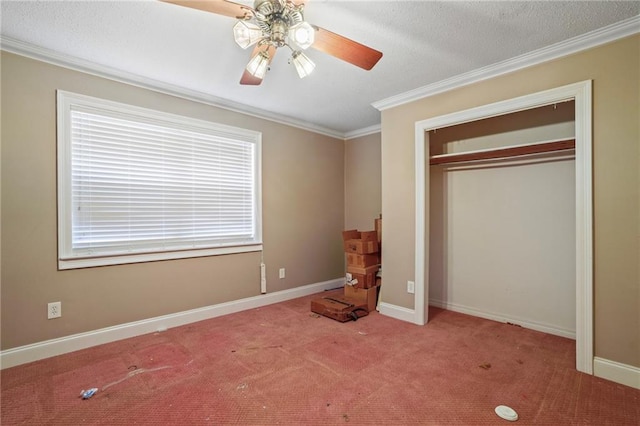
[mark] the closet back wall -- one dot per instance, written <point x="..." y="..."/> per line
<point x="502" y="233"/>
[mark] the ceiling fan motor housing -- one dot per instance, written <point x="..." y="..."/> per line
<point x="275" y="17"/>
<point x="279" y="29"/>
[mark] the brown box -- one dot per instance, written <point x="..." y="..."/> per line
<point x="360" y="247"/>
<point x="363" y="277"/>
<point x="360" y="242"/>
<point x="340" y="308"/>
<point x="350" y="235"/>
<point x="367" y="295"/>
<point x="364" y="271"/>
<point x="357" y="235"/>
<point x="362" y="260"/>
<point x="378" y="228"/>
<point x="362" y="281"/>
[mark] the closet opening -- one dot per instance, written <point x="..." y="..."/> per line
<point x="498" y="181"/>
<point x="502" y="218"/>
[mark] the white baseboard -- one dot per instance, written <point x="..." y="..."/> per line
<point x="545" y="328"/>
<point x="397" y="312"/>
<point x="62" y="345"/>
<point x="627" y="375"/>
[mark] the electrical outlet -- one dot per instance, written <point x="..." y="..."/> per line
<point x="282" y="273"/>
<point x="411" y="287"/>
<point x="54" y="310"/>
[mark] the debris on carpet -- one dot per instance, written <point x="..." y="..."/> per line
<point x="86" y="394"/>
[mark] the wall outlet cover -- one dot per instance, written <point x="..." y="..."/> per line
<point x="54" y="310"/>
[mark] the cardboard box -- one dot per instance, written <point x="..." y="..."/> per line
<point x="357" y="235"/>
<point x="367" y="295"/>
<point x="352" y="234"/>
<point x="362" y="260"/>
<point x="362" y="277"/>
<point x="362" y="281"/>
<point x="369" y="270"/>
<point x="360" y="242"/>
<point x="360" y="247"/>
<point x="339" y="308"/>
<point x="378" y="228"/>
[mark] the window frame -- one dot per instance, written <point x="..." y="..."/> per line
<point x="68" y="101"/>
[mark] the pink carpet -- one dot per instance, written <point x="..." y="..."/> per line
<point x="281" y="364"/>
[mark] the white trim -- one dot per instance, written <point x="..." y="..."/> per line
<point x="49" y="348"/>
<point x="584" y="228"/>
<point x="28" y="50"/>
<point x="365" y="131"/>
<point x="570" y="46"/>
<point x="581" y="92"/>
<point x="398" y="312"/>
<point x="90" y="262"/>
<point x="533" y="325"/>
<point x="624" y="374"/>
<point x="421" y="289"/>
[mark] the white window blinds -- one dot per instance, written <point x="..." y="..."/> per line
<point x="141" y="182"/>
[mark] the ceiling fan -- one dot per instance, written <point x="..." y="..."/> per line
<point x="271" y="24"/>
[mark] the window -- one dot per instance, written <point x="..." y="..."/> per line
<point x="139" y="185"/>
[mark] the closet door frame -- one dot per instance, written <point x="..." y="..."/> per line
<point x="581" y="93"/>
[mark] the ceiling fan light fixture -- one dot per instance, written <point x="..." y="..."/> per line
<point x="272" y="24"/>
<point x="304" y="65"/>
<point x="266" y="7"/>
<point x="258" y="65"/>
<point x="302" y="35"/>
<point x="246" y="34"/>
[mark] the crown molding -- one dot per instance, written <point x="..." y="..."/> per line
<point x="586" y="41"/>
<point x="567" y="47"/>
<point x="71" y="62"/>
<point x="365" y="131"/>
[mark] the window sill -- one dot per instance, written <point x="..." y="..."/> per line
<point x="78" y="263"/>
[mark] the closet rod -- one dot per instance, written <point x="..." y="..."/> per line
<point x="515" y="151"/>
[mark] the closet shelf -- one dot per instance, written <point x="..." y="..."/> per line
<point x="507" y="152"/>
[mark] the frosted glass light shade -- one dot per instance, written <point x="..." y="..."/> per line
<point x="303" y="64"/>
<point x="302" y="34"/>
<point x="258" y="65"/>
<point x="246" y="34"/>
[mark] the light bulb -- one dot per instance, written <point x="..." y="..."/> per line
<point x="302" y="34"/>
<point x="303" y="64"/>
<point x="258" y="65"/>
<point x="246" y="34"/>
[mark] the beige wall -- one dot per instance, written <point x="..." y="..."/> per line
<point x="362" y="182"/>
<point x="542" y="124"/>
<point x="303" y="215"/>
<point x="615" y="71"/>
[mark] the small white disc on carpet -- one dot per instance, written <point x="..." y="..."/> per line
<point x="507" y="413"/>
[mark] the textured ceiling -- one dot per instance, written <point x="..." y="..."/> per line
<point x="423" y="42"/>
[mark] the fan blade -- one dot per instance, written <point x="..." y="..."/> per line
<point x="247" y="78"/>
<point x="345" y="49"/>
<point x="220" y="7"/>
